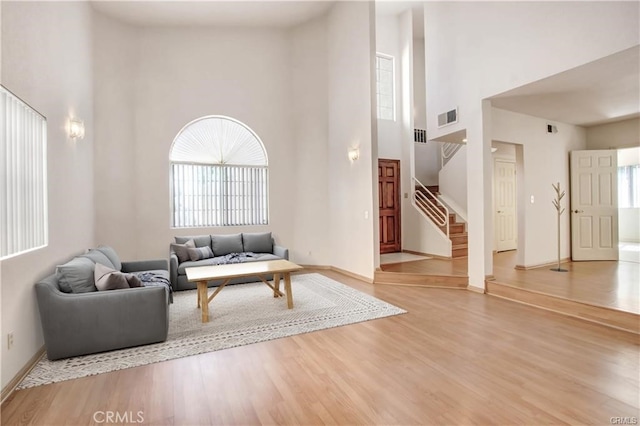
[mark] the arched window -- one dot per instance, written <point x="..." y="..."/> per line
<point x="219" y="175"/>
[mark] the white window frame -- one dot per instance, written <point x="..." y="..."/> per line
<point x="222" y="192"/>
<point x="23" y="177"/>
<point x="393" y="86"/>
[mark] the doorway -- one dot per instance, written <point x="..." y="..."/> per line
<point x="594" y="205"/>
<point x="506" y="228"/>
<point x="389" y="205"/>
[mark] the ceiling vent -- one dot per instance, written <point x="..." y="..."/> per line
<point x="448" y="117"/>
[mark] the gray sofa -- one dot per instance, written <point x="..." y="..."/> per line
<point x="221" y="249"/>
<point x="77" y="319"/>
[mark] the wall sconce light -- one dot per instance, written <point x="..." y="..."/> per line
<point x="354" y="154"/>
<point x="76" y="129"/>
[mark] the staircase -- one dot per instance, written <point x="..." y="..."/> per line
<point x="457" y="230"/>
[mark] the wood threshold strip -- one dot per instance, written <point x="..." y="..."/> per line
<point x="421" y="280"/>
<point x="8" y="390"/>
<point x="606" y="316"/>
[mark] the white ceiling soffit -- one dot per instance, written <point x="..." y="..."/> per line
<point x="278" y="14"/>
<point x="599" y="92"/>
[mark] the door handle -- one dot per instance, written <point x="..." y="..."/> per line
<point x="578" y="211"/>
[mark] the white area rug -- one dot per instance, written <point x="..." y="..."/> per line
<point x="239" y="315"/>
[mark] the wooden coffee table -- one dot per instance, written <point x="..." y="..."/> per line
<point x="203" y="274"/>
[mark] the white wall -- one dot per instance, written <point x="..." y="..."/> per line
<point x="546" y="158"/>
<point x="52" y="71"/>
<point x="390" y="131"/>
<point x="621" y="134"/>
<point x="464" y="67"/>
<point x="419" y="84"/>
<point x="116" y="163"/>
<point x="427" y="155"/>
<point x="311" y="243"/>
<point x="182" y="74"/>
<point x="629" y="225"/>
<point x="536" y="39"/>
<point x="453" y="182"/>
<point x="352" y="190"/>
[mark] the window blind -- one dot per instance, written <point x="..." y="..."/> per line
<point x="218" y="195"/>
<point x="23" y="176"/>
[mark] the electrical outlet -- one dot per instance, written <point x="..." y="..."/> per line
<point x="10" y="340"/>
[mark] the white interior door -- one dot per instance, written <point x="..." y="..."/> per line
<point x="594" y="205"/>
<point x="505" y="205"/>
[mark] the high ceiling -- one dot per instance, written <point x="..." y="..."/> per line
<point x="599" y="92"/>
<point x="279" y="14"/>
<point x="602" y="91"/>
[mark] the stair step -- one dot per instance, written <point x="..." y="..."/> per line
<point x="457" y="228"/>
<point x="459" y="238"/>
<point x="420" y="280"/>
<point x="459" y="252"/>
<point x="597" y="314"/>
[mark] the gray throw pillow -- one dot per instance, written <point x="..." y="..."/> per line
<point x="200" y="253"/>
<point x="199" y="240"/>
<point x="113" y="257"/>
<point x="76" y="276"/>
<point x="98" y="257"/>
<point x="225" y="244"/>
<point x="109" y="279"/>
<point x="133" y="280"/>
<point x="182" y="250"/>
<point x="259" y="242"/>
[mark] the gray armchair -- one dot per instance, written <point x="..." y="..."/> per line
<point x="83" y="323"/>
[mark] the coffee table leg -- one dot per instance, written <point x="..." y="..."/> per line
<point x="203" y="300"/>
<point x="276" y="285"/>
<point x="287" y="287"/>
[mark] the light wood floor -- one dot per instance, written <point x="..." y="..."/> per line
<point x="610" y="284"/>
<point x="456" y="358"/>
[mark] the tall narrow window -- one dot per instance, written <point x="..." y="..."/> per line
<point x="629" y="186"/>
<point x="23" y="176"/>
<point x="385" y="87"/>
<point x="219" y="175"/>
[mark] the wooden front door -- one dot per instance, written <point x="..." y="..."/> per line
<point x="389" y="205"/>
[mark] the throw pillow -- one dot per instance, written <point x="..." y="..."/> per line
<point x="98" y="257"/>
<point x="199" y="240"/>
<point x="76" y="276"/>
<point x="109" y="279"/>
<point x="226" y="244"/>
<point x="259" y="242"/>
<point x="200" y="253"/>
<point x="133" y="280"/>
<point x="113" y="257"/>
<point x="181" y="250"/>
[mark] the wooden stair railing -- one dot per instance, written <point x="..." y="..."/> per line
<point x="433" y="208"/>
